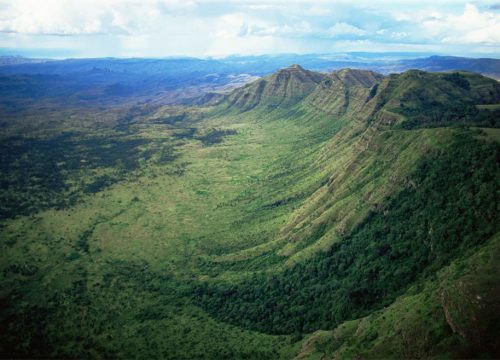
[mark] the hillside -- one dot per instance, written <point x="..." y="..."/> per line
<point x="304" y="215"/>
<point x="344" y="91"/>
<point x="416" y="98"/>
<point x="286" y="87"/>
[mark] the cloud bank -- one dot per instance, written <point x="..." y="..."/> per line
<point x="216" y="27"/>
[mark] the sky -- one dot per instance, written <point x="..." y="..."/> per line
<point x="216" y="28"/>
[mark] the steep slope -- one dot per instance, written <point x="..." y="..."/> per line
<point x="285" y="87"/>
<point x="367" y="159"/>
<point x="355" y="77"/>
<point x="454" y="315"/>
<point x="344" y="91"/>
<point x="437" y="212"/>
<point x="390" y="213"/>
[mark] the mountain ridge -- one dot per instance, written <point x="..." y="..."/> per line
<point x="288" y="85"/>
<point x="363" y="93"/>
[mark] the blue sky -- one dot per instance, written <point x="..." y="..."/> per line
<point x="160" y="28"/>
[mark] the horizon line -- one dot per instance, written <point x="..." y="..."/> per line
<point x="417" y="54"/>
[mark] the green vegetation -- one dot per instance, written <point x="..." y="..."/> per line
<point x="450" y="315"/>
<point x="37" y="173"/>
<point x="448" y="207"/>
<point x="305" y="215"/>
<point x="431" y="100"/>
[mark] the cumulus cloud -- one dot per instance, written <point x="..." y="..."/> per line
<point x="318" y="11"/>
<point x="85" y="17"/>
<point x="206" y="27"/>
<point x="472" y="27"/>
<point x="343" y="28"/>
<point x="238" y="25"/>
<point x="294" y="29"/>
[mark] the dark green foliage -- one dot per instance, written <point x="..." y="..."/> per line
<point x="215" y="136"/>
<point x="83" y="242"/>
<point x="458" y="80"/>
<point x="267" y="259"/>
<point x="434" y="114"/>
<point x="29" y="174"/>
<point x="488" y="118"/>
<point x="316" y="234"/>
<point x="100" y="183"/>
<point x="33" y="172"/>
<point x="449" y="206"/>
<point x="166" y="155"/>
<point x="109" y="152"/>
<point x="22" y="269"/>
<point x="373" y="91"/>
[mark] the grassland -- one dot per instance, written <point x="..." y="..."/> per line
<point x="175" y="221"/>
<point x="175" y="209"/>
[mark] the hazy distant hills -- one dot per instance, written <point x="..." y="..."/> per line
<point x="485" y="66"/>
<point x="254" y="65"/>
<point x="177" y="80"/>
<point x="18" y="60"/>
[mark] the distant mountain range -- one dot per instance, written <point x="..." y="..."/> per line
<point x="254" y="65"/>
<point x="184" y="80"/>
<point x="485" y="66"/>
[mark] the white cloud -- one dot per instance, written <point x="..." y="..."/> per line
<point x="343" y="28"/>
<point x="318" y="11"/>
<point x="201" y="27"/>
<point x="416" y="15"/>
<point x="294" y="29"/>
<point x="241" y="25"/>
<point x="398" y="35"/>
<point x="86" y="17"/>
<point x="231" y="26"/>
<point x="48" y="17"/>
<point x="471" y="27"/>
